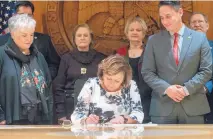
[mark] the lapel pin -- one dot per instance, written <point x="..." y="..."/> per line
<point x="35" y="37"/>
<point x="189" y="37"/>
<point x="83" y="70"/>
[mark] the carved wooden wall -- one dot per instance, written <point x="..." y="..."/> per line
<point x="106" y="19"/>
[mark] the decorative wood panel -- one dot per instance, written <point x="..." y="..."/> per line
<point x="206" y="8"/>
<point x="106" y="19"/>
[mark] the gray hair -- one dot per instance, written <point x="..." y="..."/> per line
<point x="21" y="21"/>
<point x="204" y="16"/>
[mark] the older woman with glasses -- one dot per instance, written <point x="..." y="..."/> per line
<point x="112" y="97"/>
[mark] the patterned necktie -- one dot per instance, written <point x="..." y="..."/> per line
<point x="175" y="48"/>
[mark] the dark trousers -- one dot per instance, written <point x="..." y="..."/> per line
<point x="146" y="106"/>
<point x="55" y="118"/>
<point x="178" y="116"/>
<point x="22" y="122"/>
<point x="27" y="122"/>
<point x="69" y="106"/>
<point x="209" y="117"/>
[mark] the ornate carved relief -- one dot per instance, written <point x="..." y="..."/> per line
<point x="106" y="19"/>
<point x="55" y="27"/>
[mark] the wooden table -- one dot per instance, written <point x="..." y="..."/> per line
<point x="111" y="132"/>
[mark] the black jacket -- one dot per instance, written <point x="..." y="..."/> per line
<point x="74" y="65"/>
<point x="45" y="46"/>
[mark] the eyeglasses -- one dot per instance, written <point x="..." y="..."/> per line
<point x="198" y="21"/>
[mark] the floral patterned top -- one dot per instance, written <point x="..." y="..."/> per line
<point x="33" y="78"/>
<point x="93" y="99"/>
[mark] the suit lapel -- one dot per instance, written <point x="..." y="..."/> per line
<point x="187" y="38"/>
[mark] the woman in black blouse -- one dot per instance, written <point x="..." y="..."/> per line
<point x="81" y="63"/>
<point x="135" y="31"/>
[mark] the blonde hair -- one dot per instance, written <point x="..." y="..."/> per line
<point x="76" y="29"/>
<point x="136" y="19"/>
<point x="113" y="65"/>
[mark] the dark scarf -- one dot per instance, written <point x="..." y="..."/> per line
<point x="32" y="82"/>
<point x="15" y="52"/>
<point x="82" y="56"/>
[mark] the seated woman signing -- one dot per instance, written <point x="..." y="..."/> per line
<point x="112" y="97"/>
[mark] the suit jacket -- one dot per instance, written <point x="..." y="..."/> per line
<point x="160" y="71"/>
<point x="45" y="46"/>
<point x="209" y="84"/>
<point x="211" y="43"/>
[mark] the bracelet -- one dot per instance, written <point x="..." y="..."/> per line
<point x="125" y="119"/>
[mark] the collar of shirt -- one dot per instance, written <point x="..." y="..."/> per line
<point x="180" y="39"/>
<point x="180" y="32"/>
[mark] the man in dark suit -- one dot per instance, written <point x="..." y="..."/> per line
<point x="199" y="22"/>
<point x="177" y="64"/>
<point x="41" y="41"/>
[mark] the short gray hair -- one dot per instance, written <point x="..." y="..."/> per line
<point x="204" y="16"/>
<point x="20" y="21"/>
